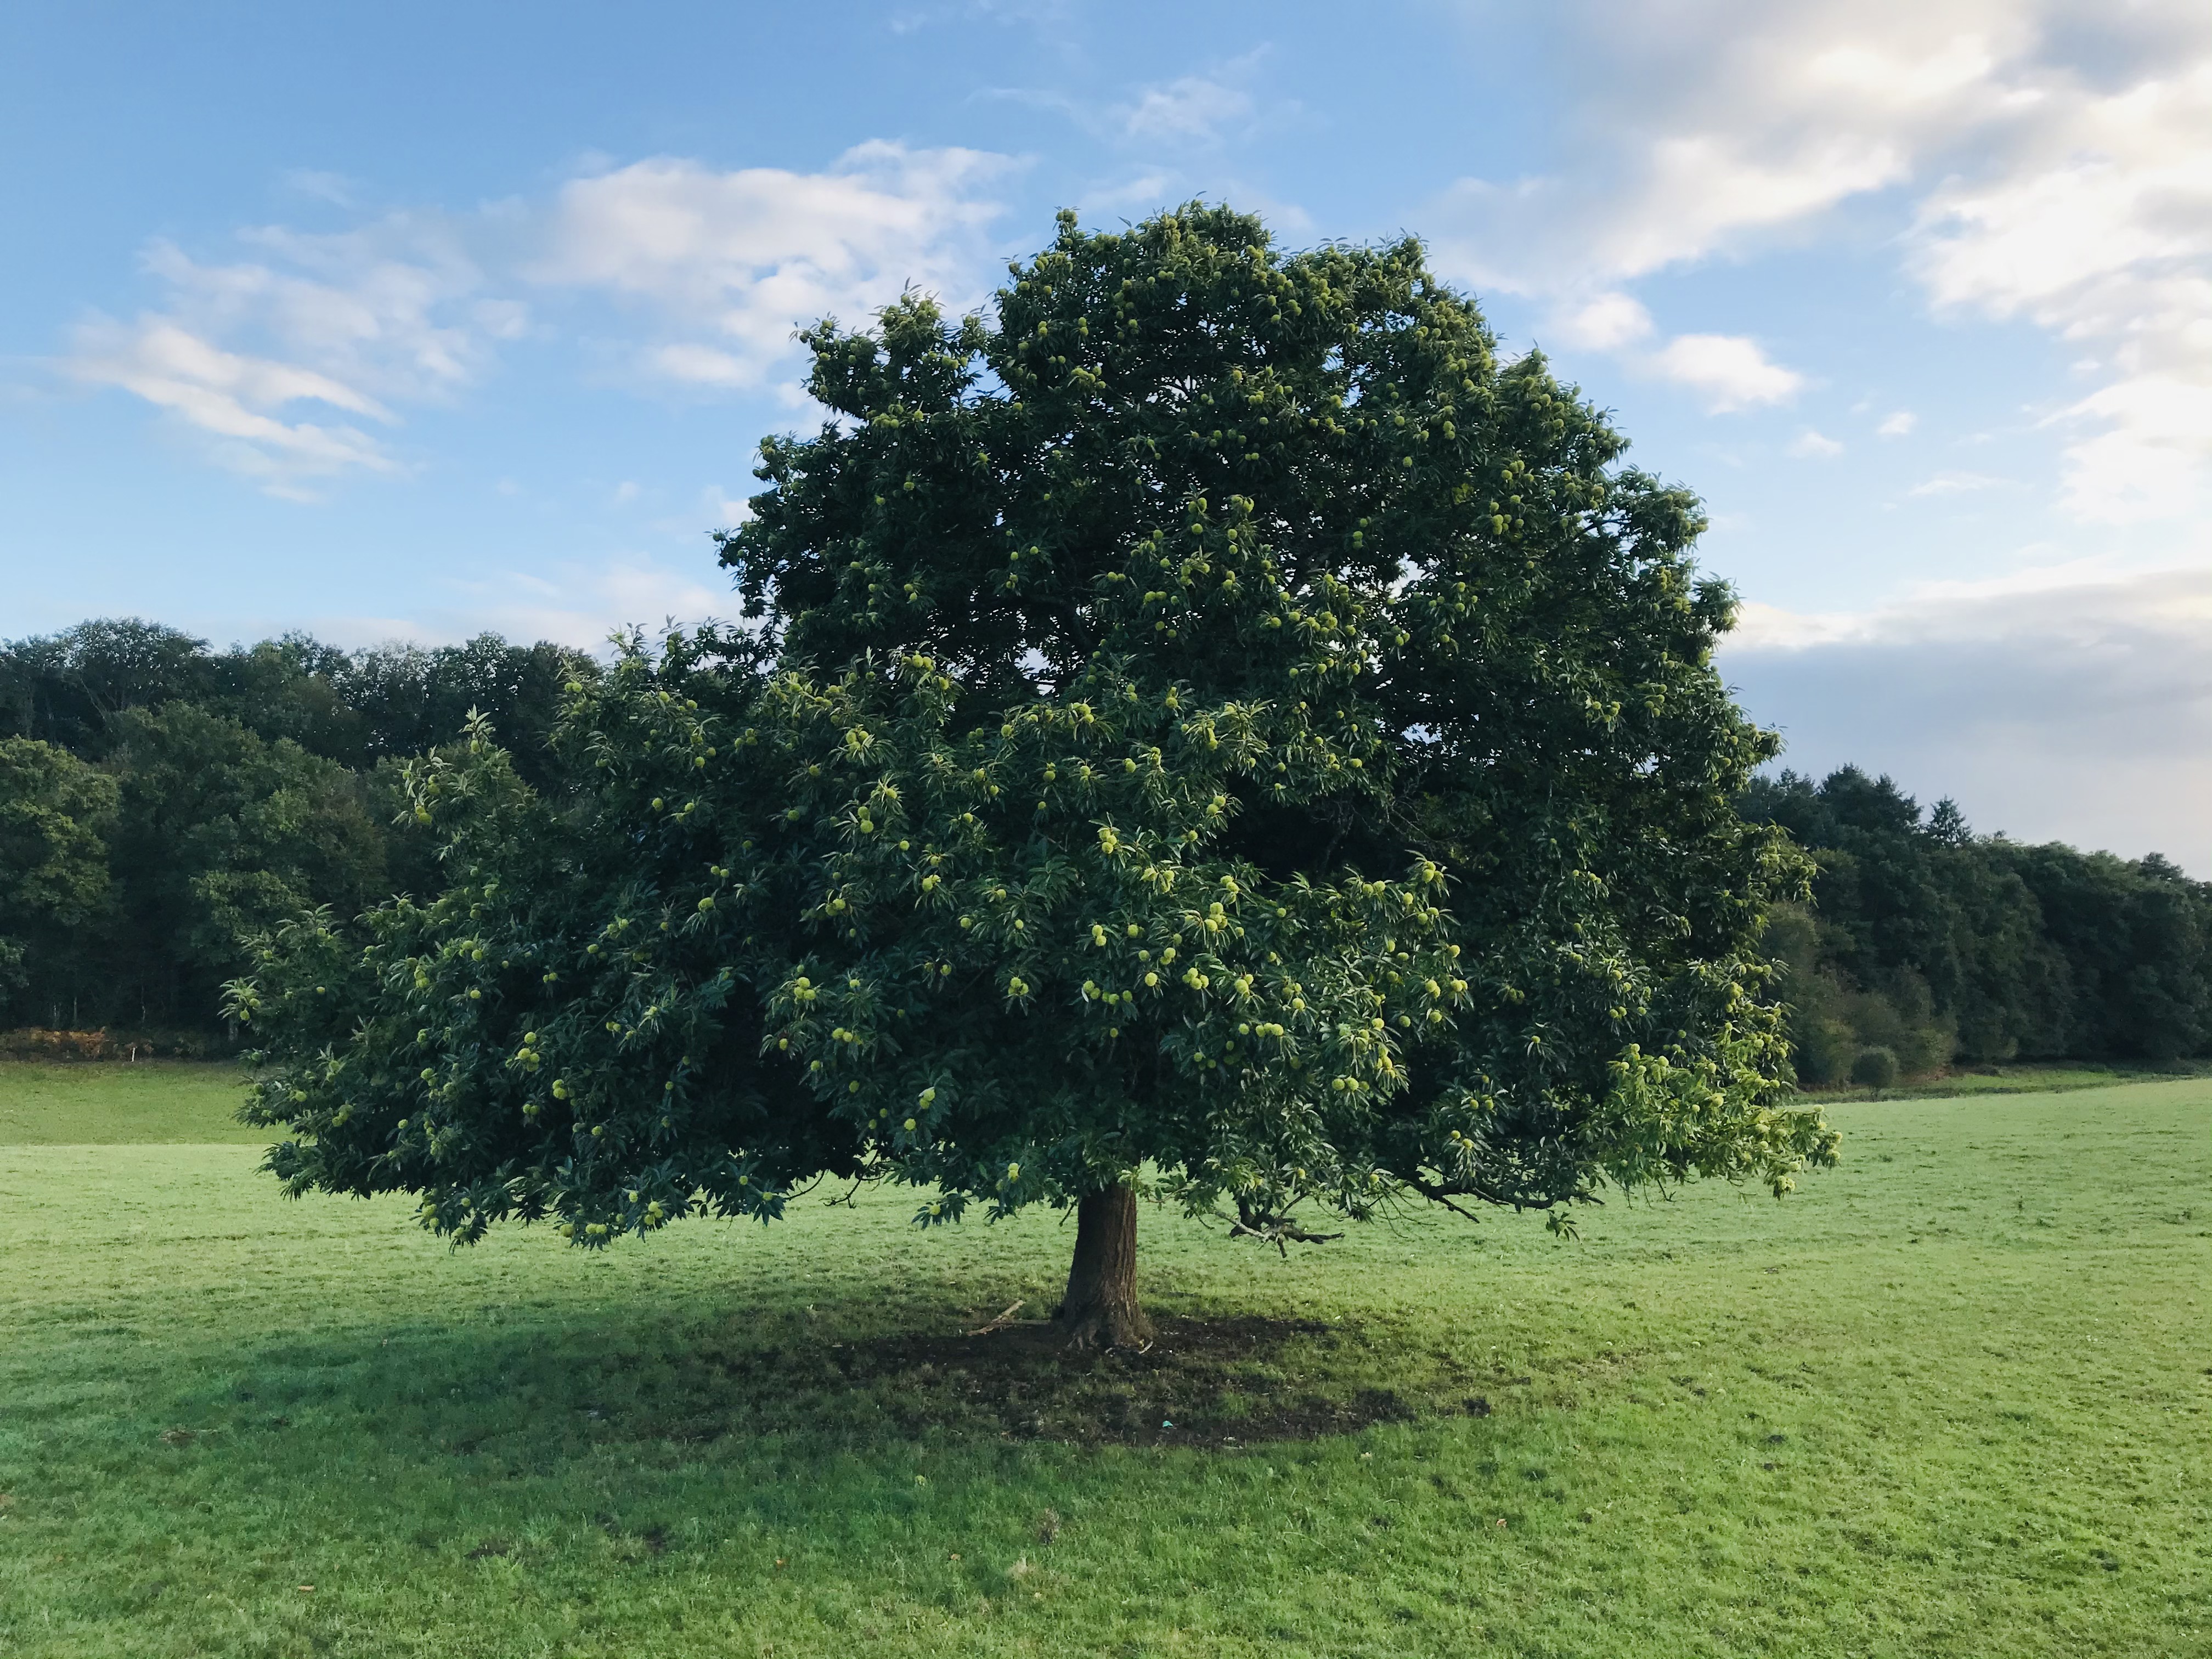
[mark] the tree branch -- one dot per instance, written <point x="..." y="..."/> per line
<point x="1279" y="1231"/>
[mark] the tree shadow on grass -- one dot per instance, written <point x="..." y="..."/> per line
<point x="1237" y="1380"/>
<point x="537" y="1398"/>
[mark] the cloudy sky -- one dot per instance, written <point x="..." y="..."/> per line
<point x="405" y="320"/>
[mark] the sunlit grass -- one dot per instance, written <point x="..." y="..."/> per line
<point x="1951" y="1398"/>
<point x="60" y="1103"/>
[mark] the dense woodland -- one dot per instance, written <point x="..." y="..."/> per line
<point x="159" y="799"/>
<point x="1929" y="944"/>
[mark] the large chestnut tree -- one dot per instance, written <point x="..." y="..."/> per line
<point x="1210" y="727"/>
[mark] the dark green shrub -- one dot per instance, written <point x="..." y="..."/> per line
<point x="1876" y="1067"/>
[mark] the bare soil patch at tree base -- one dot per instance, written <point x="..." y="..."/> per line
<point x="1224" y="1381"/>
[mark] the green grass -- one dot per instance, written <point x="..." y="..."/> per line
<point x="2035" y="1078"/>
<point x="1952" y="1399"/>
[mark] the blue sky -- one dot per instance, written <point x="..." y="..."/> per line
<point x="405" y="321"/>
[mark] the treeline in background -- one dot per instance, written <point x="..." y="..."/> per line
<point x="1926" y="944"/>
<point x="159" y="799"/>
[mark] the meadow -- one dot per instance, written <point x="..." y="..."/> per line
<point x="1953" y="1397"/>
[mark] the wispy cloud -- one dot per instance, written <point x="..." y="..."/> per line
<point x="1898" y="425"/>
<point x="1954" y="483"/>
<point x="1811" y="445"/>
<point x="1707" y="129"/>
<point x="241" y="403"/>
<point x="1728" y="372"/>
<point x="333" y="187"/>
<point x="574" y="603"/>
<point x="2096" y="225"/>
<point x="1185" y="117"/>
<point x="357" y="323"/>
<point x="727" y="263"/>
<point x="1191" y="109"/>
<point x="264" y="357"/>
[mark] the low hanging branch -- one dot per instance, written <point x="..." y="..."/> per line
<point x="1277" y="1231"/>
<point x="1438" y="1192"/>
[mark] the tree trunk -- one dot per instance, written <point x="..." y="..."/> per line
<point x="1101" y="1310"/>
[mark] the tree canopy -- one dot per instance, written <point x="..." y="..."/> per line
<point x="53" y="868"/>
<point x="1212" y="723"/>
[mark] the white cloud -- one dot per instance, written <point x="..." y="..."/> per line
<point x="1898" y="425"/>
<point x="1138" y="193"/>
<point x="2097" y="224"/>
<point x="1811" y="445"/>
<point x="703" y="365"/>
<point x="1760" y="627"/>
<point x="385" y="306"/>
<point x="1709" y="126"/>
<point x="1729" y="371"/>
<point x="231" y="398"/>
<point x="742" y="258"/>
<point x="2052" y="705"/>
<point x="167" y="364"/>
<point x="574" y="602"/>
<point x="2048" y="157"/>
<point x="356" y="322"/>
<point x="1605" y="322"/>
<point x="724" y="510"/>
<point x="1194" y="112"/>
<point x="2149" y="461"/>
<point x="411" y="308"/>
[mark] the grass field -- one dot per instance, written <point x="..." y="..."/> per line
<point x="66" y="1103"/>
<point x="1952" y="1397"/>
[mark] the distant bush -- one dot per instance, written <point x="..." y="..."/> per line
<point x="1876" y="1067"/>
<point x="1830" y="1022"/>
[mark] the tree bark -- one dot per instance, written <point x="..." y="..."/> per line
<point x="1100" y="1310"/>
